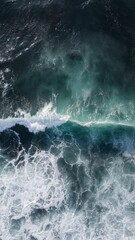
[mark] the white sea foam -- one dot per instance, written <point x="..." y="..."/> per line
<point x="105" y="123"/>
<point x="45" y="118"/>
<point x="48" y="117"/>
<point x="37" y="184"/>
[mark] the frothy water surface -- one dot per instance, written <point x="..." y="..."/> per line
<point x="67" y="120"/>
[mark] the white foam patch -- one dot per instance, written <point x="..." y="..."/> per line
<point x="105" y="123"/>
<point x="34" y="185"/>
<point x="45" y="118"/>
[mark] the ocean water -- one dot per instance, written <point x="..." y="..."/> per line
<point x="67" y="120"/>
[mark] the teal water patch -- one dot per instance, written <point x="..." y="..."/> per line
<point x="86" y="80"/>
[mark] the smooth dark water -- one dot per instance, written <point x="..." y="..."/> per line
<point x="67" y="112"/>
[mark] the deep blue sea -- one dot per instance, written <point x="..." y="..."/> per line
<point x="67" y="120"/>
